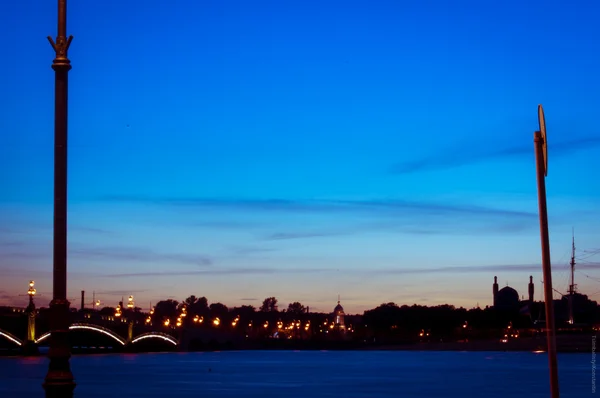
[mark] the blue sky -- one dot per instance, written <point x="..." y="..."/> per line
<point x="382" y="151"/>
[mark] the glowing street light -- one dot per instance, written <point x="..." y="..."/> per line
<point x="31" y="291"/>
<point x="130" y="302"/>
<point x="216" y="322"/>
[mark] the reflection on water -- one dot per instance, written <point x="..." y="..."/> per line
<point x="307" y="374"/>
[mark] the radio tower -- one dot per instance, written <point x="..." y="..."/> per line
<point x="572" y="285"/>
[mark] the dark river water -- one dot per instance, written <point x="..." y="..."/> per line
<point x="307" y="374"/>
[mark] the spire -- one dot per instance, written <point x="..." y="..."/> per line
<point x="495" y="289"/>
<point x="338" y="298"/>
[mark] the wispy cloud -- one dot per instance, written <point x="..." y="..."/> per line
<point x="120" y="292"/>
<point x="30" y="251"/>
<point x="140" y="255"/>
<point x="24" y="227"/>
<point x="250" y="250"/>
<point x="384" y="207"/>
<point x="89" y="230"/>
<point x="468" y="155"/>
<point x="367" y="271"/>
<point x="224" y="271"/>
<point x="225" y="224"/>
<point x="480" y="268"/>
<point x="500" y="226"/>
<point x="300" y="235"/>
<point x="249" y="299"/>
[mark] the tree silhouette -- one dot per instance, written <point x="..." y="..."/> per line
<point x="165" y="309"/>
<point x="296" y="308"/>
<point x="219" y="310"/>
<point x="244" y="311"/>
<point x="269" y="305"/>
<point x="190" y="301"/>
<point x="201" y="306"/>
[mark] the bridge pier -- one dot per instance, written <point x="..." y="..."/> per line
<point x="29" y="349"/>
<point x="130" y="333"/>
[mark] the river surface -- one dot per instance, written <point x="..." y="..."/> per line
<point x="369" y="374"/>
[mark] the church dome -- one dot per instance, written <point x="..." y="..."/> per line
<point x="338" y="308"/>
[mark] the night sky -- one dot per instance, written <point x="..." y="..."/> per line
<point x="238" y="150"/>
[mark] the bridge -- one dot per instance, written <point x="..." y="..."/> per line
<point x="118" y="330"/>
<point x="94" y="321"/>
<point x="98" y="329"/>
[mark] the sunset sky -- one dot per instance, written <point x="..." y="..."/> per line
<point x="238" y="150"/>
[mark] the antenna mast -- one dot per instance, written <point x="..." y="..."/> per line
<point x="572" y="286"/>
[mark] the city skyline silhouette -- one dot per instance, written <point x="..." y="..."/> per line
<point x="383" y="153"/>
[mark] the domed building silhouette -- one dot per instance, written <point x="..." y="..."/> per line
<point x="507" y="298"/>
<point x="338" y="316"/>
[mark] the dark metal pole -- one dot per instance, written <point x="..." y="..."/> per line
<point x="550" y="325"/>
<point x="59" y="381"/>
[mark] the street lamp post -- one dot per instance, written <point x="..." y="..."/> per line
<point x="59" y="379"/>
<point x="541" y="158"/>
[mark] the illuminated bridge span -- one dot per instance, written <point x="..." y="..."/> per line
<point x="155" y="335"/>
<point x="87" y="326"/>
<point x="108" y="332"/>
<point x="99" y="329"/>
<point x="10" y="337"/>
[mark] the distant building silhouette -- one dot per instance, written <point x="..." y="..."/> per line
<point x="495" y="289"/>
<point x="507" y="298"/>
<point x="531" y="289"/>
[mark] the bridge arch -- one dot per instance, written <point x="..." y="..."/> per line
<point x="10" y="337"/>
<point x="88" y="326"/>
<point x="155" y="335"/>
